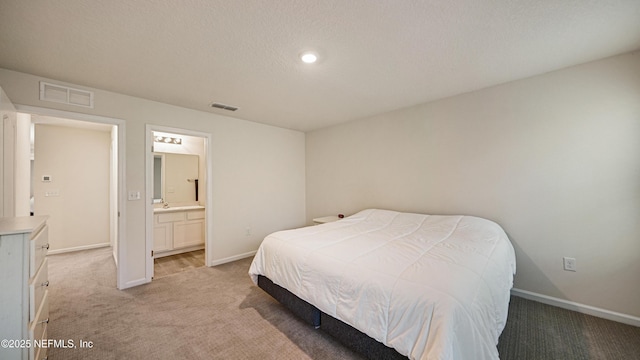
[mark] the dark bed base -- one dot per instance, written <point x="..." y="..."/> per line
<point x="307" y="312"/>
<point x="344" y="333"/>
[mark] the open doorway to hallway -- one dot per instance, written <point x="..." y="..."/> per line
<point x="74" y="182"/>
<point x="60" y="151"/>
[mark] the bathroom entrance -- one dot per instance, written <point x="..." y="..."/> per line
<point x="178" y="168"/>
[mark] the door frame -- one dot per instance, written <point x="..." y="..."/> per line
<point x="121" y="196"/>
<point x="208" y="206"/>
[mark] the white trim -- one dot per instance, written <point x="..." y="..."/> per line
<point x="121" y="270"/>
<point x="121" y="266"/>
<point x="233" y="258"/>
<point x="148" y="208"/>
<point x="209" y="241"/>
<point x="68" y="115"/>
<point x="581" y="308"/>
<point x="133" y="283"/>
<point x="115" y="258"/>
<point x="77" y="248"/>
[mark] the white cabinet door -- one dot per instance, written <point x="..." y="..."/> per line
<point x="188" y="233"/>
<point x="162" y="237"/>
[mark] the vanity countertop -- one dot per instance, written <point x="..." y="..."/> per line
<point x="178" y="208"/>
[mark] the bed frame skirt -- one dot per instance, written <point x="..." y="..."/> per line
<point x="344" y="333"/>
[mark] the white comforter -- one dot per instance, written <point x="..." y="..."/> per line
<point x="432" y="287"/>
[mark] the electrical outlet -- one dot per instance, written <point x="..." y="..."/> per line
<point x="247" y="231"/>
<point x="569" y="263"/>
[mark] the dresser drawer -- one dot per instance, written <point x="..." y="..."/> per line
<point x="38" y="327"/>
<point x="41" y="353"/>
<point x="37" y="286"/>
<point x="39" y="246"/>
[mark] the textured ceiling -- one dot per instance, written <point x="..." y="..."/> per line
<point x="375" y="56"/>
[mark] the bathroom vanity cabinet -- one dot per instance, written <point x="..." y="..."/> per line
<point x="177" y="230"/>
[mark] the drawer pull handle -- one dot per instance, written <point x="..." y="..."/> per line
<point x="45" y="246"/>
<point x="45" y="284"/>
<point x="45" y="321"/>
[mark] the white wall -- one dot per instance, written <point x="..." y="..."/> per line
<point x="4" y="109"/>
<point x="7" y="155"/>
<point x="22" y="168"/>
<point x="78" y="161"/>
<point x="16" y="153"/>
<point x="554" y="159"/>
<point x="258" y="170"/>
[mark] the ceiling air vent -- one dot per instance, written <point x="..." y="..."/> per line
<point x="224" y="107"/>
<point x="65" y="95"/>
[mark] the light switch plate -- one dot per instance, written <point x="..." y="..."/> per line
<point x="134" y="195"/>
<point x="569" y="263"/>
<point x="51" y="193"/>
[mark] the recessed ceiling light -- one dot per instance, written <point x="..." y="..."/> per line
<point x="309" y="57"/>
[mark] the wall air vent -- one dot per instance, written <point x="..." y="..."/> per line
<point x="65" y="95"/>
<point x="224" y="107"/>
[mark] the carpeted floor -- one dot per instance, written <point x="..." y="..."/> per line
<point x="537" y="331"/>
<point x="217" y="313"/>
<point x="205" y="313"/>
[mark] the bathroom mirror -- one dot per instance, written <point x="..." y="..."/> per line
<point x="157" y="178"/>
<point x="175" y="178"/>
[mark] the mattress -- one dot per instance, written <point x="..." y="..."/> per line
<point x="431" y="287"/>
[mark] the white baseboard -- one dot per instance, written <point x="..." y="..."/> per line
<point x="159" y="254"/>
<point x="232" y="258"/>
<point x="581" y="308"/>
<point x="132" y="283"/>
<point x="115" y="258"/>
<point x="77" y="248"/>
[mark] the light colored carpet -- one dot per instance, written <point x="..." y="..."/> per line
<point x="217" y="313"/>
<point x="205" y="313"/>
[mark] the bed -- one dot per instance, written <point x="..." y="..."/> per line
<point x="426" y="286"/>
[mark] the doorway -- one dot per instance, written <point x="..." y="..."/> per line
<point x="63" y="188"/>
<point x="178" y="168"/>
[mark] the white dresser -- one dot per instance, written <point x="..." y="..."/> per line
<point x="24" y="303"/>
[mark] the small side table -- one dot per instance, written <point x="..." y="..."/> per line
<point x="325" y="219"/>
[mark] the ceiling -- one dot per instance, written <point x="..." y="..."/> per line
<point x="374" y="56"/>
